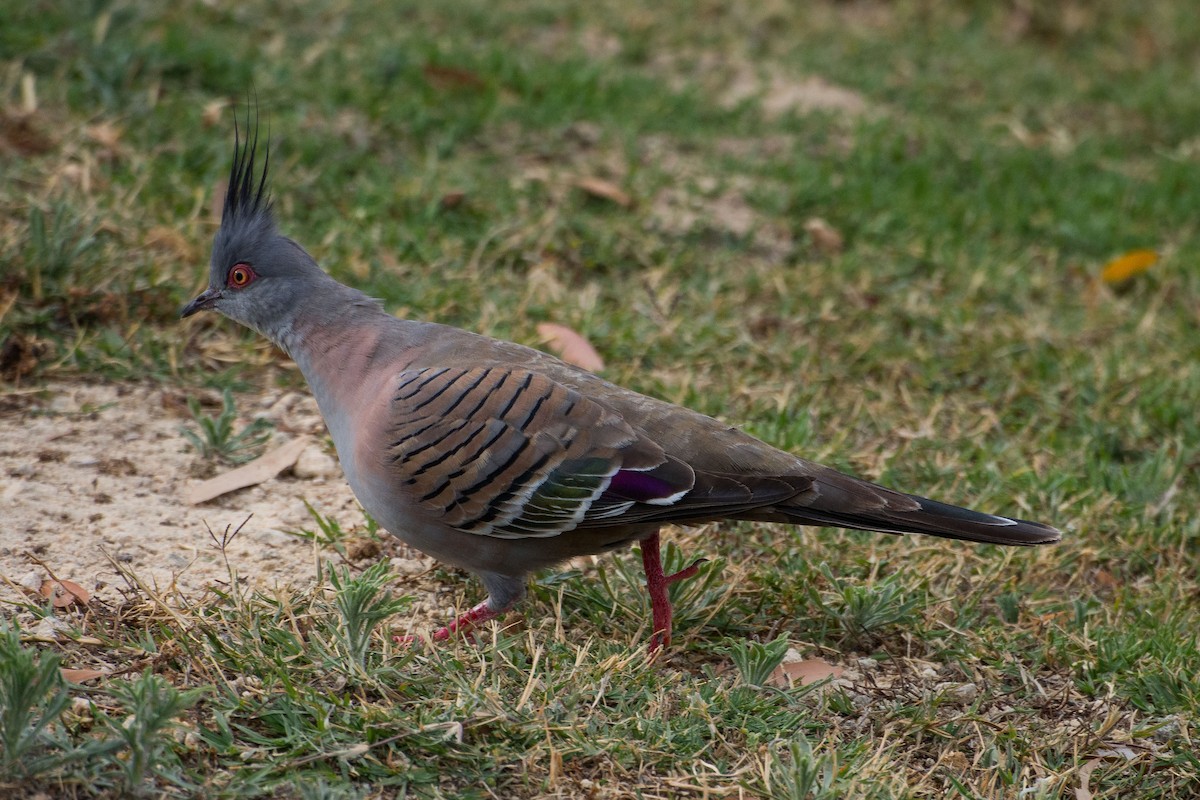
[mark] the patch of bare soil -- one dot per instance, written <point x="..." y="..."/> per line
<point x="92" y="474"/>
<point x="779" y="94"/>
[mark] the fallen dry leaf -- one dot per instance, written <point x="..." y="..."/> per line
<point x="1105" y="579"/>
<point x="261" y="469"/>
<point x="1124" y="267"/>
<point x="105" y="134"/>
<point x="605" y="190"/>
<point x="451" y="200"/>
<point x="174" y="402"/>
<point x="826" y="238"/>
<point x="570" y="346"/>
<point x="452" y="77"/>
<point x="213" y="113"/>
<point x="1083" y="791"/>
<point x="81" y="675"/>
<point x="20" y="355"/>
<point x="63" y="593"/>
<point x="802" y="673"/>
<point x="21" y="134"/>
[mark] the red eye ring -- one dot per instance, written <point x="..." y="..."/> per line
<point x="240" y="276"/>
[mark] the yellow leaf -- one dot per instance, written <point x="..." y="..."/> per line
<point x="1124" y="267"/>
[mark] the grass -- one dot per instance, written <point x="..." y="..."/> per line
<point x="217" y="438"/>
<point x="959" y="344"/>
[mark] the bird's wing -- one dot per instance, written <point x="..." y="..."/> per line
<point x="511" y="453"/>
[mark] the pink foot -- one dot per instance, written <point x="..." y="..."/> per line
<point x="463" y="625"/>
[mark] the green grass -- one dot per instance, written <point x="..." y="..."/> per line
<point x="216" y="437"/>
<point x="959" y="345"/>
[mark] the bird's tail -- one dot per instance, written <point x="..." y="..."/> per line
<point x="926" y="516"/>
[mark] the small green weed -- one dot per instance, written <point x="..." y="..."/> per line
<point x="58" y="242"/>
<point x="859" y="611"/>
<point x="320" y="789"/>
<point x="151" y="705"/>
<point x="329" y="532"/>
<point x="32" y="696"/>
<point x="217" y="438"/>
<point x="755" y="661"/>
<point x="362" y="603"/>
<point x="798" y="773"/>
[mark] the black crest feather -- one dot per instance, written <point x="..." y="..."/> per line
<point x="243" y="199"/>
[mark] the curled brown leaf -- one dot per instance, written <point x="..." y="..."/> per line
<point x="81" y="675"/>
<point x="570" y="346"/>
<point x="802" y="673"/>
<point x="62" y="593"/>
<point x="605" y="190"/>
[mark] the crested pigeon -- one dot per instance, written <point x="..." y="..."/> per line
<point x="503" y="460"/>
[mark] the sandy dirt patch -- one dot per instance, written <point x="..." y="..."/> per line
<point x="90" y="474"/>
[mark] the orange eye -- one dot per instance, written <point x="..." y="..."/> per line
<point x="240" y="276"/>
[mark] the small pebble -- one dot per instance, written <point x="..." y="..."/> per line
<point x="279" y="410"/>
<point x="409" y="566"/>
<point x="273" y="537"/>
<point x="32" y="581"/>
<point x="1166" y="732"/>
<point x="960" y="694"/>
<point x="314" y="463"/>
<point x="50" y="629"/>
<point x="61" y="404"/>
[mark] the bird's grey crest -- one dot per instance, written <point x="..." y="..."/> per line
<point x="247" y="234"/>
<point x="247" y="204"/>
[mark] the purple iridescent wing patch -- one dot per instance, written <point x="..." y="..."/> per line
<point x="640" y="487"/>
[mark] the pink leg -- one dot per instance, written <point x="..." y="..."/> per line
<point x="464" y="624"/>
<point x="467" y="622"/>
<point x="656" y="585"/>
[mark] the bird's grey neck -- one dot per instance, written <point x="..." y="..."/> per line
<point x="340" y="339"/>
<point x="329" y="314"/>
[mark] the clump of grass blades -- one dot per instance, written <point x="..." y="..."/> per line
<point x="362" y="604"/>
<point x="217" y="437"/>
<point x="32" y="696"/>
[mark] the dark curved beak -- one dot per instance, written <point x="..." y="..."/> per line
<point x="205" y="301"/>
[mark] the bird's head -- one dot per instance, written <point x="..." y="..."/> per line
<point x="256" y="276"/>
